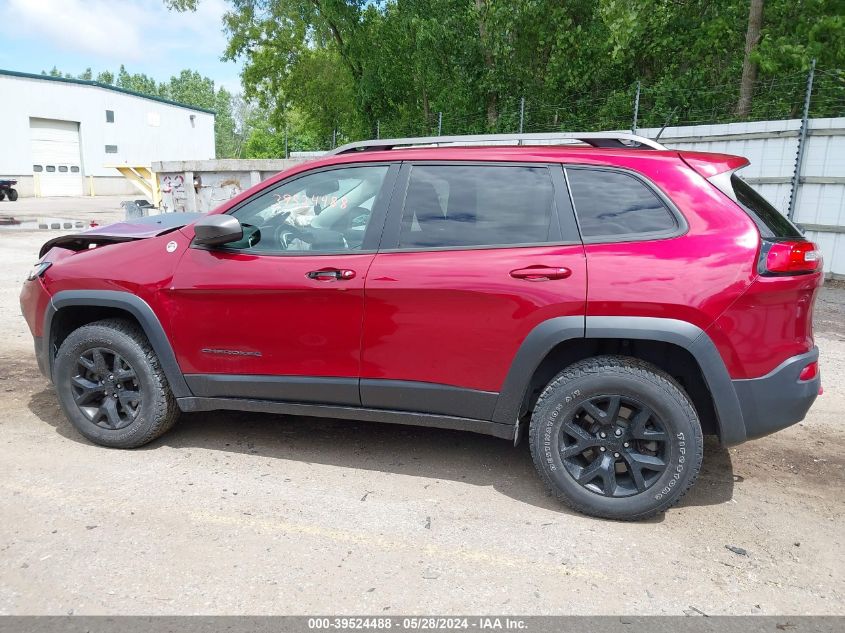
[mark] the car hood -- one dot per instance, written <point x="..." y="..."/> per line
<point x="142" y="228"/>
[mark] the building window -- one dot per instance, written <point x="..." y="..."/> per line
<point x="63" y="169"/>
<point x="51" y="168"/>
<point x="111" y="149"/>
<point x="74" y="169"/>
<point x="37" y="168"/>
<point x="109" y="116"/>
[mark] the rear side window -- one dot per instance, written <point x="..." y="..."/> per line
<point x="770" y="222"/>
<point x="477" y="205"/>
<point x="611" y="205"/>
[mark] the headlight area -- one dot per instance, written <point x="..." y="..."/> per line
<point x="39" y="269"/>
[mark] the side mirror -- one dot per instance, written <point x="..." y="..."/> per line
<point x="214" y="230"/>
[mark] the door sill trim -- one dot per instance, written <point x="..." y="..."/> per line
<point x="483" y="427"/>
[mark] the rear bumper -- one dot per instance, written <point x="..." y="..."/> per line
<point x="778" y="399"/>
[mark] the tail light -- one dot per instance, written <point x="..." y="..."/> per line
<point x="789" y="257"/>
<point x="810" y="371"/>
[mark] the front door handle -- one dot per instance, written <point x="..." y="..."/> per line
<point x="331" y="274"/>
<point x="541" y="273"/>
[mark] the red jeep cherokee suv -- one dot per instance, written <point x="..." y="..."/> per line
<point x="617" y="299"/>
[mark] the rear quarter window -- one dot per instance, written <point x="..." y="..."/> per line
<point x="770" y="222"/>
<point x="615" y="206"/>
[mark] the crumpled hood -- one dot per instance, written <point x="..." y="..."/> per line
<point x="139" y="229"/>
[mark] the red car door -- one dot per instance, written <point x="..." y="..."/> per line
<point x="474" y="257"/>
<point x="277" y="315"/>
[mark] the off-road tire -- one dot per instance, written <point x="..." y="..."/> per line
<point x="13" y="195"/>
<point x="157" y="411"/>
<point x="563" y="401"/>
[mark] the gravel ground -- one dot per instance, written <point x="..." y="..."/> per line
<point x="244" y="513"/>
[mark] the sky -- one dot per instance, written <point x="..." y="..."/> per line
<point x="143" y="35"/>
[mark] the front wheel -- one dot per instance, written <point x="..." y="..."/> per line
<point x="111" y="386"/>
<point x="616" y="438"/>
<point x="13" y="195"/>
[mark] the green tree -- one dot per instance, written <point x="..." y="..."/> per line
<point x="105" y="77"/>
<point x="191" y="88"/>
<point x="359" y="65"/>
<point x="224" y="125"/>
<point x="139" y="82"/>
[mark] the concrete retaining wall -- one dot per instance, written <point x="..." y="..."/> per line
<point x="201" y="185"/>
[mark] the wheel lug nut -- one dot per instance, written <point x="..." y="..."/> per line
<point x="616" y="454"/>
<point x="115" y="395"/>
<point x="602" y="434"/>
<point x="602" y="449"/>
<point x="618" y="432"/>
<point x="626" y="445"/>
<point x="111" y="377"/>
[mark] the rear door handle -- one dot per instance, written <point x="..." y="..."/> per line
<point x="541" y="273"/>
<point x="331" y="274"/>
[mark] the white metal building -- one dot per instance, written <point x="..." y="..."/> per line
<point x="63" y="137"/>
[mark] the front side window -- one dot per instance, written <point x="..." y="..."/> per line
<point x="477" y="205"/>
<point x="327" y="211"/>
<point x="612" y="205"/>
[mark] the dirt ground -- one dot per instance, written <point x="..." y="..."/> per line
<point x="243" y="513"/>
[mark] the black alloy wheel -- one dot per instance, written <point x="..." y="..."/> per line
<point x="106" y="388"/>
<point x="616" y="437"/>
<point x="614" y="446"/>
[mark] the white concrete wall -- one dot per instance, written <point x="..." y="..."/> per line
<point x="103" y="186"/>
<point x="771" y="146"/>
<point x="144" y="130"/>
<point x="219" y="180"/>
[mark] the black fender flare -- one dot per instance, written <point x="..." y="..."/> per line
<point x="690" y="337"/>
<point x="135" y="306"/>
<point x="530" y="354"/>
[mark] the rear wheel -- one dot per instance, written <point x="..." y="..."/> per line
<point x="111" y="386"/>
<point x="615" y="437"/>
<point x="2" y="194"/>
<point x="13" y="194"/>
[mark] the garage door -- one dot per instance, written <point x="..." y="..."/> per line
<point x="56" y="157"/>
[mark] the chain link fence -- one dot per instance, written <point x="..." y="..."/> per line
<point x="639" y="106"/>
